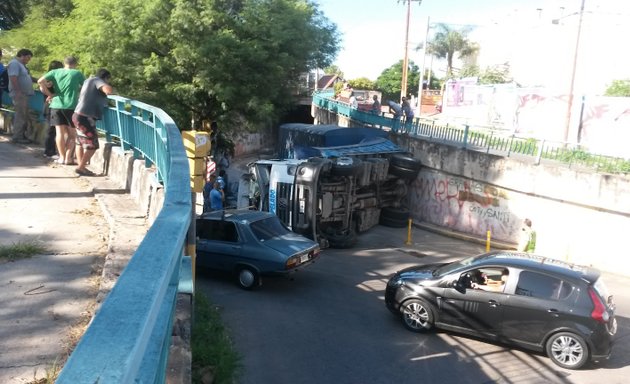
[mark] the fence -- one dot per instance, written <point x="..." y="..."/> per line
<point x="128" y="340"/>
<point x="488" y="140"/>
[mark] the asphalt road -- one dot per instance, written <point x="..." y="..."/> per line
<point x="330" y="325"/>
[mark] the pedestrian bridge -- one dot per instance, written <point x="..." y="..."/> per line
<point x="128" y="340"/>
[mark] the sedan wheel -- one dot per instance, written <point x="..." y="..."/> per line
<point x="417" y="316"/>
<point x="248" y="278"/>
<point x="567" y="350"/>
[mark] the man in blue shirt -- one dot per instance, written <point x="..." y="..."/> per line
<point x="216" y="197"/>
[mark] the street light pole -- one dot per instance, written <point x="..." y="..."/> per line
<point x="567" y="125"/>
<point x="403" y="85"/>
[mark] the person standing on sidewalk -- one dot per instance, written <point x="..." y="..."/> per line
<point x="50" y="146"/>
<point x="20" y="89"/>
<point x="4" y="78"/>
<point x="61" y="86"/>
<point x="527" y="239"/>
<point x="92" y="101"/>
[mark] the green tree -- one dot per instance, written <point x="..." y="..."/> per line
<point x="11" y="13"/>
<point x="499" y="74"/>
<point x="619" y="88"/>
<point x="334" y="70"/>
<point x="362" y="83"/>
<point x="221" y="60"/>
<point x="389" y="81"/>
<point x="447" y="42"/>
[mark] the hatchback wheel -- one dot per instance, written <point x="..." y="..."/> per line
<point x="567" y="350"/>
<point x="417" y="315"/>
<point x="248" y="278"/>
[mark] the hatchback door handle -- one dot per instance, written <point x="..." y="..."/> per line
<point x="493" y="303"/>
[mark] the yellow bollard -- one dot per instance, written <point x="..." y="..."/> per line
<point x="488" y="235"/>
<point x="408" y="242"/>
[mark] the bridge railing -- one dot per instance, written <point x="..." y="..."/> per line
<point x="128" y="340"/>
<point x="484" y="139"/>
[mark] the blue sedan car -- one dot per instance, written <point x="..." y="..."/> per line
<point x="251" y="244"/>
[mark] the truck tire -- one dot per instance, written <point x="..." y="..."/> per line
<point x="395" y="213"/>
<point x="405" y="161"/>
<point x="343" y="240"/>
<point x="403" y="173"/>
<point x="347" y="166"/>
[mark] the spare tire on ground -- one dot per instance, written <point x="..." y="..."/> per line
<point x="342" y="240"/>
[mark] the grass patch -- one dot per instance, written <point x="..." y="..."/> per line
<point x="212" y="350"/>
<point x="20" y="250"/>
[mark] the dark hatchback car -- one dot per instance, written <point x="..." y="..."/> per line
<point x="251" y="244"/>
<point x="533" y="302"/>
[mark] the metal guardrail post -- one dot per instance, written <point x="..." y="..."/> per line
<point x="120" y="107"/>
<point x="465" y="140"/>
<point x="510" y="145"/>
<point x="489" y="141"/>
<point x="540" y="151"/>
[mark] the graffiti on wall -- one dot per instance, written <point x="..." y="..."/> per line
<point x="463" y="205"/>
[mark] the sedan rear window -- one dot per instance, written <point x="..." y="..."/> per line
<point x="268" y="228"/>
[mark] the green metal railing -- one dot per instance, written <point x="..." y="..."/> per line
<point x="488" y="140"/>
<point x="128" y="340"/>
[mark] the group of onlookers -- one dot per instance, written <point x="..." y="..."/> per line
<point x="73" y="103"/>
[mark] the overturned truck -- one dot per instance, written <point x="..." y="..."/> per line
<point x="332" y="183"/>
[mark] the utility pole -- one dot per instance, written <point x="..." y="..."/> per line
<point x="403" y="85"/>
<point x="424" y="57"/>
<point x="567" y="125"/>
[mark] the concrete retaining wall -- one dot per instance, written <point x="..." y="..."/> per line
<point x="579" y="216"/>
<point x="36" y="131"/>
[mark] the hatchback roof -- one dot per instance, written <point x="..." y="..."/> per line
<point x="540" y="263"/>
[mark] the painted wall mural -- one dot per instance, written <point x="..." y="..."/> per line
<point x="464" y="205"/>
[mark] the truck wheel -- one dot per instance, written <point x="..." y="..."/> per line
<point x="393" y="223"/>
<point x="343" y="240"/>
<point x="395" y="213"/>
<point x="403" y="173"/>
<point x="405" y="161"/>
<point x="347" y="166"/>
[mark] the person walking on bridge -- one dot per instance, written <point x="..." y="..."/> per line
<point x="92" y="101"/>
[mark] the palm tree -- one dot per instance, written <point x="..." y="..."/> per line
<point x="447" y="42"/>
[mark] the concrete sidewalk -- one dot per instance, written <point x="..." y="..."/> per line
<point x="86" y="225"/>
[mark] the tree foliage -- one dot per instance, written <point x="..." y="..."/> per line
<point x="448" y="41"/>
<point x="389" y="81"/>
<point x="362" y="83"/>
<point x="11" y="13"/>
<point x="219" y="60"/>
<point x="620" y="88"/>
<point x="499" y="74"/>
<point x="334" y="70"/>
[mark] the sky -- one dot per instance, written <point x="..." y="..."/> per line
<point x="521" y="32"/>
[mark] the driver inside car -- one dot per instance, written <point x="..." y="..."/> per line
<point x="480" y="280"/>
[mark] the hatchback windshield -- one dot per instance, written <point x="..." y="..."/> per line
<point x="268" y="228"/>
<point x="448" y="268"/>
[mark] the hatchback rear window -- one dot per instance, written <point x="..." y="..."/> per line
<point x="602" y="291"/>
<point x="268" y="228"/>
<point x="543" y="286"/>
